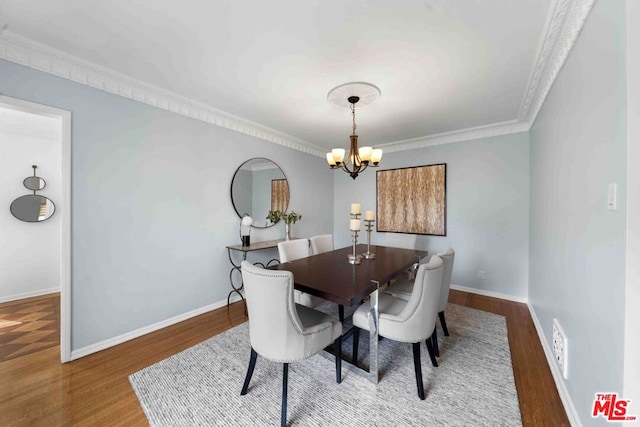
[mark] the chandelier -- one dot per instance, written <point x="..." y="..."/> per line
<point x="358" y="159"/>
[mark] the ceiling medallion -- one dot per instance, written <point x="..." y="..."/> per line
<point x="358" y="159"/>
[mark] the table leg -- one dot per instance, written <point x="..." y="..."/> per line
<point x="234" y="288"/>
<point x="373" y="334"/>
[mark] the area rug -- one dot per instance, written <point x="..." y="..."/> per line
<point x="473" y="385"/>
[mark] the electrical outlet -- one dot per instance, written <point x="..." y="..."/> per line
<point x="481" y="275"/>
<point x="560" y="348"/>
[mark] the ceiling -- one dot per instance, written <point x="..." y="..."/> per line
<point x="443" y="67"/>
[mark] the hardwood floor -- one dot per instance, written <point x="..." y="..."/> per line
<point x="29" y="325"/>
<point x="540" y="404"/>
<point x="36" y="389"/>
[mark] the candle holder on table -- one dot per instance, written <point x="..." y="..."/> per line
<point x="354" y="225"/>
<point x="369" y="227"/>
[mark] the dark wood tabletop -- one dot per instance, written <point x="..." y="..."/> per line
<point x="330" y="276"/>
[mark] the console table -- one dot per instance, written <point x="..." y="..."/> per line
<point x="258" y="246"/>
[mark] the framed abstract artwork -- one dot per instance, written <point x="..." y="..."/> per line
<point x="279" y="194"/>
<point x="412" y="200"/>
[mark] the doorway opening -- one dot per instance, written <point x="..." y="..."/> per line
<point x="36" y="239"/>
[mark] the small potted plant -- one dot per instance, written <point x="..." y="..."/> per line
<point x="288" y="219"/>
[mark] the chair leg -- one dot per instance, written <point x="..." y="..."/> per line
<point x="285" y="382"/>
<point x="356" y="338"/>
<point x="247" y="378"/>
<point x="443" y="323"/>
<point x="434" y="340"/>
<point x="338" y="345"/>
<point x="432" y="353"/>
<point x="418" y="367"/>
<point x="341" y="313"/>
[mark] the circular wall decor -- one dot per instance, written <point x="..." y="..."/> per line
<point x="33" y="207"/>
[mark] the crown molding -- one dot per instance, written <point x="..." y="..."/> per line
<point x="495" y="129"/>
<point x="23" y="51"/>
<point x="565" y="21"/>
<point x="563" y="27"/>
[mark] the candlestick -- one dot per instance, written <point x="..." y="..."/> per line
<point x="369" y="227"/>
<point x="354" y="226"/>
<point x="353" y="258"/>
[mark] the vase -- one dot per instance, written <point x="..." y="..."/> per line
<point x="287" y="231"/>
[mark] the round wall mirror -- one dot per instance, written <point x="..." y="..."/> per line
<point x="34" y="183"/>
<point x="32" y="208"/>
<point x="257" y="187"/>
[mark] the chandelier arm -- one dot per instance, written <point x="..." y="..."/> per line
<point x="354" y="169"/>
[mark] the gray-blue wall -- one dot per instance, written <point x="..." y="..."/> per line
<point x="487" y="209"/>
<point x="577" y="263"/>
<point x="151" y="212"/>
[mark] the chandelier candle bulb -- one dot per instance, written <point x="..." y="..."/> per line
<point x="330" y="159"/>
<point x="369" y="216"/>
<point x="354" y="224"/>
<point x="365" y="153"/>
<point x="376" y="156"/>
<point x="356" y="208"/>
<point x="338" y="155"/>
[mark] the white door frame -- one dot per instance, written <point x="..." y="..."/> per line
<point x="64" y="211"/>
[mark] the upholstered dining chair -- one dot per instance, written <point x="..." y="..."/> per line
<point x="291" y="250"/>
<point x="281" y="330"/>
<point x="411" y="321"/>
<point x="321" y="243"/>
<point x="402" y="289"/>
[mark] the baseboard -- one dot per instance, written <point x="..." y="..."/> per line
<point x="29" y="294"/>
<point x="567" y="402"/>
<point x="489" y="293"/>
<point x="111" y="342"/>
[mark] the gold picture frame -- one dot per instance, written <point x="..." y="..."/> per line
<point x="412" y="200"/>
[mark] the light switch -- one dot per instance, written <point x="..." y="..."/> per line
<point x="612" y="196"/>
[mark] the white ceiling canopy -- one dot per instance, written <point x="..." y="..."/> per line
<point x="447" y="70"/>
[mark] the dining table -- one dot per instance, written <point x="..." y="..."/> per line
<point x="329" y="275"/>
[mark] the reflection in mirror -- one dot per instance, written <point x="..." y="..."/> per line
<point x="258" y="186"/>
<point x="32" y="208"/>
<point x="34" y="183"/>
